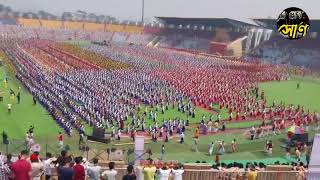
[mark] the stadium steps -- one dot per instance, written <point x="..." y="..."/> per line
<point x="111" y="38"/>
<point x="154" y="42"/>
<point x="128" y="36"/>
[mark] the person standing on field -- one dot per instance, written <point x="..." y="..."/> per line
<point x="60" y="139"/>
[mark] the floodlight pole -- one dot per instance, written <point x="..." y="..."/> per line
<point x="142" y="12"/>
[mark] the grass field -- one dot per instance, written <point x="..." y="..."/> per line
<point x="307" y="95"/>
<point x="25" y="114"/>
<point x="83" y="43"/>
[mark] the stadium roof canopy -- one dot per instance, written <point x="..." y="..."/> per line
<point x="214" y="22"/>
<point x="272" y="24"/>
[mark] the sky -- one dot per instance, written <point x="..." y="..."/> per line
<point x="131" y="9"/>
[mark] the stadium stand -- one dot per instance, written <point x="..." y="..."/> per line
<point x="194" y="43"/>
<point x="119" y="37"/>
<point x="278" y="50"/>
<point x="140" y="39"/>
<point x="93" y="26"/>
<point x="8" y="21"/>
<point x="114" y="28"/>
<point x="133" y="29"/>
<point x="29" y="22"/>
<point x="73" y="25"/>
<point x="235" y="48"/>
<point x="102" y="36"/>
<point x="51" y="24"/>
<point x="152" y="30"/>
<point x="186" y="39"/>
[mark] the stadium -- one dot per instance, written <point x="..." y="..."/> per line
<point x="86" y="96"/>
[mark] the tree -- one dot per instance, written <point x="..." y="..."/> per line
<point x="46" y="15"/>
<point x="1" y="7"/>
<point x="66" y="16"/>
<point x="33" y="15"/>
<point x="81" y="15"/>
<point x="101" y="18"/>
<point x="43" y="15"/>
<point x="25" y="15"/>
<point x="92" y="17"/>
<point x="8" y="9"/>
<point x="16" y="14"/>
<point x="113" y="19"/>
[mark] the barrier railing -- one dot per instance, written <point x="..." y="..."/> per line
<point x="123" y="157"/>
<point x="191" y="174"/>
<point x="13" y="147"/>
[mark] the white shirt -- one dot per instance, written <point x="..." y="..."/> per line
<point x="2" y="159"/>
<point x="140" y="175"/>
<point x="177" y="174"/>
<point x="182" y="135"/>
<point x="164" y="174"/>
<point x="94" y="172"/>
<point x="110" y="174"/>
<point x="48" y="166"/>
<point x="36" y="170"/>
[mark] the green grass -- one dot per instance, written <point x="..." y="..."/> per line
<point x="17" y="123"/>
<point x="25" y="114"/>
<point x="242" y="125"/>
<point x="173" y="113"/>
<point x="82" y="43"/>
<point x="247" y="149"/>
<point x="307" y="95"/>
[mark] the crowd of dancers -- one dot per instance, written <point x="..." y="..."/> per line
<point x="75" y="86"/>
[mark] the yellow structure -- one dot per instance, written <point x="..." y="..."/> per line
<point x="89" y="26"/>
<point x="124" y="28"/>
<point x="73" y="25"/>
<point x="114" y="28"/>
<point x="133" y="29"/>
<point x="29" y="22"/>
<point x="51" y="24"/>
<point x="94" y="26"/>
<point x="235" y="47"/>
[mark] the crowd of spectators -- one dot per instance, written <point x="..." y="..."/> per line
<point x="68" y="167"/>
<point x="20" y="32"/>
<point x="305" y="54"/>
